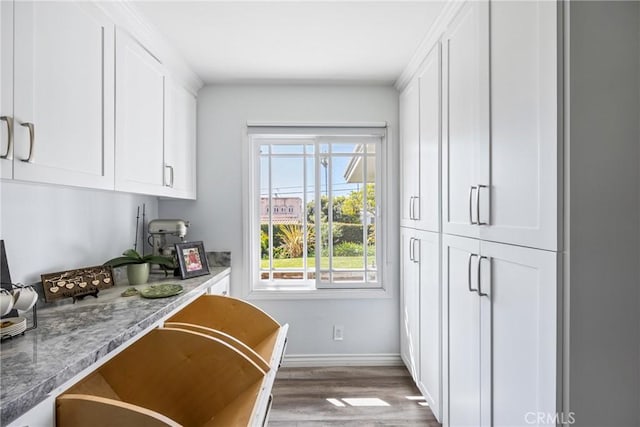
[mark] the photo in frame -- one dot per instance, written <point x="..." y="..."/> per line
<point x="192" y="259"/>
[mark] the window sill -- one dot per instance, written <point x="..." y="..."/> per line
<point x="313" y="294"/>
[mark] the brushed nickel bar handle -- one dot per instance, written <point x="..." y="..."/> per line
<point x="478" y="205"/>
<point x="416" y="217"/>
<point x="411" y="207"/>
<point x="471" y="204"/>
<point x="32" y="140"/>
<point x="482" y="294"/>
<point x="416" y="259"/>
<point x="411" y="249"/>
<point x="171" y="185"/>
<point x="469" y="273"/>
<point x="9" y="121"/>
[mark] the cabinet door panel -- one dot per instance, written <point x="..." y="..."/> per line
<point x="428" y="203"/>
<point x="139" y="119"/>
<point x="462" y="332"/>
<point x="180" y="141"/>
<point x="524" y="136"/>
<point x="410" y="298"/>
<point x="63" y="85"/>
<point x="6" y="87"/>
<point x="430" y="377"/>
<point x="520" y="329"/>
<point x="466" y="133"/>
<point x="409" y="151"/>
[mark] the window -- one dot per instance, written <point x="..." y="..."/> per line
<point x="315" y="208"/>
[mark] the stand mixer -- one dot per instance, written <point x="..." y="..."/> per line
<point x="160" y="229"/>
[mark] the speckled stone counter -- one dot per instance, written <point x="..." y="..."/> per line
<point x="71" y="337"/>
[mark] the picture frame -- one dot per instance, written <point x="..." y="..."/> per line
<point x="192" y="259"/>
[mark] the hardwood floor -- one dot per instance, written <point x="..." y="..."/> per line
<point x="300" y="398"/>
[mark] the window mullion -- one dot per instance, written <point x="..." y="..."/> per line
<point x="365" y="216"/>
<point x="304" y="213"/>
<point x="270" y="219"/>
<point x="318" y="208"/>
<point x="330" y="209"/>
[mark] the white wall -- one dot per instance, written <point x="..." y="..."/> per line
<point x="50" y="228"/>
<point x="371" y="326"/>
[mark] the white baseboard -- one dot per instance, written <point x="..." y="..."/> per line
<point x="318" y="360"/>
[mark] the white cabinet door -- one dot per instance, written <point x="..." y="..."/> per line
<point x="63" y="94"/>
<point x="410" y="300"/>
<point x="430" y="338"/>
<point x="6" y="90"/>
<point x="461" y="344"/>
<point x="139" y="118"/>
<point x="519" y="334"/>
<point x="427" y="209"/>
<point x="524" y="125"/>
<point x="180" y="141"/>
<point x="501" y="336"/>
<point x="465" y="159"/>
<point x="409" y="152"/>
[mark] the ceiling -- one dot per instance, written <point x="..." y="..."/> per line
<point x="293" y="41"/>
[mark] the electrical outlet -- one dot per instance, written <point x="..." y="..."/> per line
<point x="338" y="332"/>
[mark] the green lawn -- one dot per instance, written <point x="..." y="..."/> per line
<point x="338" y="262"/>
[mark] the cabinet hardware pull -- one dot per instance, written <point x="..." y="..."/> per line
<point x="469" y="273"/>
<point x="478" y="205"/>
<point x="170" y="183"/>
<point x="416" y="217"/>
<point x="413" y="207"/>
<point x="482" y="294"/>
<point x="416" y="259"/>
<point x="411" y="249"/>
<point x="9" y="121"/>
<point x="473" y="187"/>
<point x="32" y="140"/>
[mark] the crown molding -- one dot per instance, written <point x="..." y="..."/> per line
<point x="433" y="36"/>
<point x="125" y="15"/>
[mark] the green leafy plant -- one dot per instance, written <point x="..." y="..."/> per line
<point x="130" y="256"/>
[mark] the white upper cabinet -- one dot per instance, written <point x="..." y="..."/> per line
<point x="62" y="93"/>
<point x="6" y="90"/>
<point x="409" y="152"/>
<point x="427" y="212"/>
<point x="524" y="125"/>
<point x="500" y="161"/>
<point x="179" y="141"/>
<point x="465" y="159"/>
<point x="420" y="147"/>
<point x="139" y="119"/>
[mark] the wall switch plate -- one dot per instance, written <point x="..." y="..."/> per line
<point x="338" y="332"/>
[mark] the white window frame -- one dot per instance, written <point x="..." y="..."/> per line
<point x="253" y="287"/>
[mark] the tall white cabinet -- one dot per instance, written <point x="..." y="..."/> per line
<point x="540" y="207"/>
<point x="420" y="241"/>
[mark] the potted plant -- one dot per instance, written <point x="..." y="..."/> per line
<point x="138" y="266"/>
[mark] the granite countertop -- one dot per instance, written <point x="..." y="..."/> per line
<point x="72" y="337"/>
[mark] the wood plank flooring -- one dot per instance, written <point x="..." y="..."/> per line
<point x="300" y="398"/>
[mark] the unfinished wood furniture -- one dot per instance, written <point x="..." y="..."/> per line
<point x="239" y="324"/>
<point x="170" y="377"/>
